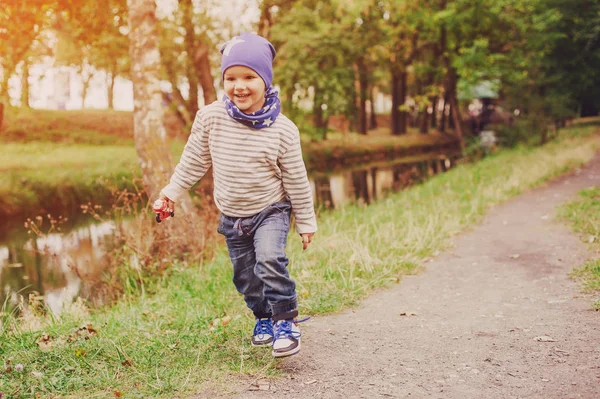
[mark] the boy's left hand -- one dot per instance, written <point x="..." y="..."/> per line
<point x="306" y="239"/>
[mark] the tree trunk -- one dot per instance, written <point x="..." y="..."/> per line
<point x="434" y="102"/>
<point x="265" y="22"/>
<point x="319" y="119"/>
<point x="443" y="118"/>
<point x="4" y="97"/>
<point x="149" y="133"/>
<point x="85" y="83"/>
<point x="373" y="117"/>
<point x="424" y="122"/>
<point x="25" y="85"/>
<point x="1" y="115"/>
<point x="363" y="84"/>
<point x="177" y="103"/>
<point x="187" y="7"/>
<point x="402" y="99"/>
<point x="457" y="120"/>
<point x="395" y="116"/>
<point x="202" y="64"/>
<point x="111" y="90"/>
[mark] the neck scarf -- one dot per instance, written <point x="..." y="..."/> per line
<point x="260" y="119"/>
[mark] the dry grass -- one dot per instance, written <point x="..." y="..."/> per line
<point x="80" y="126"/>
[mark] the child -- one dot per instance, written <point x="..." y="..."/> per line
<point x="259" y="178"/>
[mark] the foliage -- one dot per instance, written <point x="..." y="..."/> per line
<point x="21" y="24"/>
<point x="317" y="31"/>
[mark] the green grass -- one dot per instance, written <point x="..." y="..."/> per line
<point x="583" y="214"/>
<point x="159" y="342"/>
<point x="55" y="176"/>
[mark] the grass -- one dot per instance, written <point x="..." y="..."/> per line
<point x="190" y="327"/>
<point x="583" y="214"/>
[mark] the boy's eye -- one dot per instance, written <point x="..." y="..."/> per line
<point x="250" y="77"/>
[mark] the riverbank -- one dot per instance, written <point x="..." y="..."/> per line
<point x="190" y="326"/>
<point x="54" y="161"/>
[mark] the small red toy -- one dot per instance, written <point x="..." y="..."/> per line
<point x="162" y="209"/>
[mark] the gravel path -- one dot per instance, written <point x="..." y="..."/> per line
<point x="497" y="316"/>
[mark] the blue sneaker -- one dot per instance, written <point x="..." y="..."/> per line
<point x="263" y="332"/>
<point x="286" y="338"/>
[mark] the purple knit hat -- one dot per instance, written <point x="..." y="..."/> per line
<point x="252" y="51"/>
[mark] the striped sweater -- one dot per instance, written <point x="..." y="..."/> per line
<point x="251" y="168"/>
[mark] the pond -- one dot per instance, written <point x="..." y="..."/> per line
<point x="58" y="267"/>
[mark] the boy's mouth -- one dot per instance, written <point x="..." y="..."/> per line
<point x="242" y="96"/>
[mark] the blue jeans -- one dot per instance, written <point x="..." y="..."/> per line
<point x="256" y="247"/>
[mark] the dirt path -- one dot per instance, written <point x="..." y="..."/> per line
<point x="479" y="308"/>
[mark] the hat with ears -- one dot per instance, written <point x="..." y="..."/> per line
<point x="252" y="51"/>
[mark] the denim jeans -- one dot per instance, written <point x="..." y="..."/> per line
<point x="256" y="247"/>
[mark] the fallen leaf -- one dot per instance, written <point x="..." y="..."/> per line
<point x="127" y="363"/>
<point x="310" y="382"/>
<point x="118" y="394"/>
<point x="225" y="320"/>
<point x="544" y="338"/>
<point x="408" y="314"/>
<point x="83" y="332"/>
<point x="515" y="256"/>
<point x="591" y="239"/>
<point x="45" y="342"/>
<point x="262" y="385"/>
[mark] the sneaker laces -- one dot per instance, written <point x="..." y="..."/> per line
<point x="263" y="327"/>
<point x="283" y="328"/>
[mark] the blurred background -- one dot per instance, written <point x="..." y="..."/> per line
<point x="337" y="59"/>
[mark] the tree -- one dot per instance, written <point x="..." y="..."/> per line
<point x="315" y="58"/>
<point x="20" y="24"/>
<point x="149" y="133"/>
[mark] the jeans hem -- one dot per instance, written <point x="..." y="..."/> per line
<point x="285" y="307"/>
<point x="262" y="315"/>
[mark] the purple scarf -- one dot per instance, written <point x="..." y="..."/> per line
<point x="260" y="119"/>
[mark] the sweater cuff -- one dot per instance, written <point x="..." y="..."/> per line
<point x="306" y="226"/>
<point x="173" y="192"/>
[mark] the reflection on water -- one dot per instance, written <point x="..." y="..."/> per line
<point x="368" y="184"/>
<point x="57" y="266"/>
<point x="54" y="265"/>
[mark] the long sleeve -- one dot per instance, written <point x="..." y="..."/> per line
<point x="297" y="187"/>
<point x="194" y="163"/>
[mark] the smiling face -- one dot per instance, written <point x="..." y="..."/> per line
<point x="245" y="88"/>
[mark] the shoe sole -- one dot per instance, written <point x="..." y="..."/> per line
<point x="288" y="353"/>
<point x="270" y="343"/>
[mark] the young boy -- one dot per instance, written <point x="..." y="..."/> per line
<point x="259" y="178"/>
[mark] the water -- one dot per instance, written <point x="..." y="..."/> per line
<point x="60" y="267"/>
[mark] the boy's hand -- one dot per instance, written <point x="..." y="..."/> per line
<point x="164" y="208"/>
<point x="306" y="239"/>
